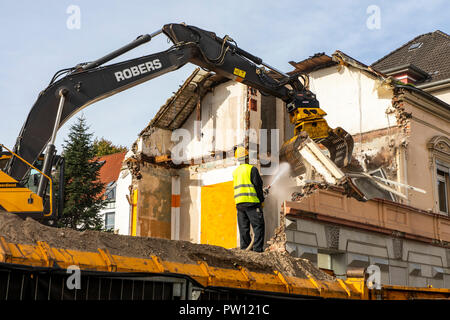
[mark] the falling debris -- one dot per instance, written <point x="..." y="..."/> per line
<point x="307" y="190"/>
<point x="278" y="242"/>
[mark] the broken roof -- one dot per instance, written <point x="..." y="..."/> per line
<point x="315" y="62"/>
<point x="180" y="105"/>
<point x="338" y="58"/>
<point x="429" y="52"/>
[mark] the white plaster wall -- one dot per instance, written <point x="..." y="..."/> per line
<point x="123" y="208"/>
<point x="222" y="111"/>
<point x="351" y="99"/>
<point x="443" y="94"/>
<point x="220" y="175"/>
<point x="190" y="205"/>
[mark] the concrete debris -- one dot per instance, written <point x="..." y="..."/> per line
<point x="307" y="190"/>
<point x="401" y="115"/>
<point x="134" y="167"/>
<point x="278" y="242"/>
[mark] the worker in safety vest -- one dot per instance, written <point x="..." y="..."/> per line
<point x="249" y="199"/>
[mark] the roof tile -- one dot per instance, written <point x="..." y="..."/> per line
<point x="110" y="170"/>
<point x="430" y="52"/>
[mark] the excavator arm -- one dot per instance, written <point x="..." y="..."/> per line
<point x="73" y="89"/>
<point x="89" y="83"/>
<point x="80" y="88"/>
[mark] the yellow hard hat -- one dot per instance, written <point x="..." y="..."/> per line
<point x="240" y="152"/>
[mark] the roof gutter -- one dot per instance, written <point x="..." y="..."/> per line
<point x="404" y="68"/>
<point x="426" y="94"/>
<point x="435" y="85"/>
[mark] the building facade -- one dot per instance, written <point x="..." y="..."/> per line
<point x="180" y="168"/>
<point x="403" y="131"/>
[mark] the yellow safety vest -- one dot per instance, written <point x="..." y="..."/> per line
<point x="244" y="191"/>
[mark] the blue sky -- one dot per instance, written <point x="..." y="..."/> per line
<point x="35" y="43"/>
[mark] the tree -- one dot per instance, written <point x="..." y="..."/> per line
<point x="83" y="190"/>
<point x="103" y="147"/>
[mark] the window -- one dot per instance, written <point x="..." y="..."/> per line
<point x="381" y="174"/>
<point x="416" y="45"/>
<point x="110" y="195"/>
<point x="442" y="177"/>
<point x="333" y="263"/>
<point x="109" y="220"/>
<point x="439" y="157"/>
<point x="324" y="261"/>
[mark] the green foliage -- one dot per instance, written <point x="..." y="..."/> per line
<point x="103" y="147"/>
<point x="83" y="191"/>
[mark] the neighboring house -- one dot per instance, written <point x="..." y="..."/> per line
<point x="109" y="176"/>
<point x="401" y="133"/>
<point x="423" y="61"/>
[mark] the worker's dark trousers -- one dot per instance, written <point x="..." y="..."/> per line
<point x="251" y="215"/>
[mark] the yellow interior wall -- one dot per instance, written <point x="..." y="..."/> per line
<point x="218" y="215"/>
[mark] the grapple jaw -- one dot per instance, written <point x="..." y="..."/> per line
<point x="308" y="118"/>
<point x="339" y="143"/>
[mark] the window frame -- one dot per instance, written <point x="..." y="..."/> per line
<point x="113" y="213"/>
<point x="384" y="176"/>
<point x="439" y="159"/>
<point x="445" y="168"/>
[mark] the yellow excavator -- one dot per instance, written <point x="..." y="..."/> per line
<point x="26" y="185"/>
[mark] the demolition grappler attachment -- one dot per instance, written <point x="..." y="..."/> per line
<point x="308" y="119"/>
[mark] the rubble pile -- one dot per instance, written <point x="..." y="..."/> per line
<point x="29" y="231"/>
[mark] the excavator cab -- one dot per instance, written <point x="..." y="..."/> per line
<point x="21" y="197"/>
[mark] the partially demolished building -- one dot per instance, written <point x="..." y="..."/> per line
<point x="181" y="166"/>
